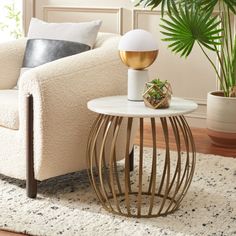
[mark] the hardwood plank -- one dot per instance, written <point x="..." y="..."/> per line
<point x="7" y="233"/>
<point x="202" y="141"/>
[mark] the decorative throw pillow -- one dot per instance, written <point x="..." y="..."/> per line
<point x="41" y="51"/>
<point x="51" y="41"/>
<point x="84" y="32"/>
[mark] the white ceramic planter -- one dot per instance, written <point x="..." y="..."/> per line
<point x="221" y="119"/>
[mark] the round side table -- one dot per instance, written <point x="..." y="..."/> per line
<point x="153" y="189"/>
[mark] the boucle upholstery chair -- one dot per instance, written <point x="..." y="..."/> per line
<point x="44" y="125"/>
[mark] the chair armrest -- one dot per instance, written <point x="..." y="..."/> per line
<point x="60" y="91"/>
<point x="99" y="70"/>
<point x="11" y="58"/>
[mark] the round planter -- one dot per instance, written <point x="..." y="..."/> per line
<point x="221" y="119"/>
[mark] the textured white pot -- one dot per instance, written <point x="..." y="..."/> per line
<point x="221" y="119"/>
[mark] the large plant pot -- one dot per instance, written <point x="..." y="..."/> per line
<point x="221" y="119"/>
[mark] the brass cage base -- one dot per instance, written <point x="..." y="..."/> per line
<point x="150" y="193"/>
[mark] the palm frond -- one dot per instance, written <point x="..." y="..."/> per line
<point x="211" y="5"/>
<point x="233" y="64"/>
<point x="164" y="4"/>
<point x="186" y="26"/>
<point x="204" y="4"/>
<point x="231" y="5"/>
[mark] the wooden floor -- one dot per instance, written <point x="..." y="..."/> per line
<point x="5" y="233"/>
<point x="202" y="141"/>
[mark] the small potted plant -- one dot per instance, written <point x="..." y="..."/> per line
<point x="157" y="94"/>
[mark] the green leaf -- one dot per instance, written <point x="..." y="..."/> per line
<point x="233" y="63"/>
<point x="186" y="26"/>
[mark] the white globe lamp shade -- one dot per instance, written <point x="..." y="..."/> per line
<point x="138" y="40"/>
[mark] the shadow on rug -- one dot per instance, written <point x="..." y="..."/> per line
<point x="67" y="205"/>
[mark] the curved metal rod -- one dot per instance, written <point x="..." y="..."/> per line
<point x="91" y="150"/>
<point x="92" y="144"/>
<point x="105" y="169"/>
<point x="88" y="149"/>
<point x="140" y="175"/>
<point x="167" y="162"/>
<point x="154" y="164"/>
<point x="151" y="177"/>
<point x="100" y="169"/>
<point x="119" y="119"/>
<point x="91" y="137"/>
<point x="127" y="166"/>
<point x="178" y="164"/>
<point x="185" y="138"/>
<point x="186" y="168"/>
<point x="191" y="140"/>
<point x="187" y="146"/>
<point x="112" y="160"/>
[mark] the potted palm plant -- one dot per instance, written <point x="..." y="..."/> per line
<point x="190" y="22"/>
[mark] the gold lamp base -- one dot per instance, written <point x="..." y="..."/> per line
<point x="138" y="60"/>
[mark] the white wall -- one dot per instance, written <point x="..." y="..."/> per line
<point x="191" y="78"/>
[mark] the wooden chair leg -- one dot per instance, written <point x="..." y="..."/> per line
<point x="31" y="182"/>
<point x="131" y="160"/>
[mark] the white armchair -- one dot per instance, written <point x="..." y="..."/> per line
<point x="45" y="124"/>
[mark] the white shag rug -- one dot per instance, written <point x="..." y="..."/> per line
<point x="67" y="206"/>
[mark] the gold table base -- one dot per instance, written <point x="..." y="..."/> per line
<point x="166" y="185"/>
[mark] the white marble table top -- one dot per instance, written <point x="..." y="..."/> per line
<point x="120" y="106"/>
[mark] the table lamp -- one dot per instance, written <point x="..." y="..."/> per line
<point x="138" y="50"/>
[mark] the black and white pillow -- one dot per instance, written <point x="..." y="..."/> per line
<point x="51" y="41"/>
<point x="41" y="51"/>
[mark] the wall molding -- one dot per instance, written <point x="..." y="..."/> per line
<point x="137" y="12"/>
<point x="196" y="116"/>
<point x="29" y="11"/>
<point x="199" y="101"/>
<point x="117" y="11"/>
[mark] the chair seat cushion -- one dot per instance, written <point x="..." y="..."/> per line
<point x="9" y="114"/>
